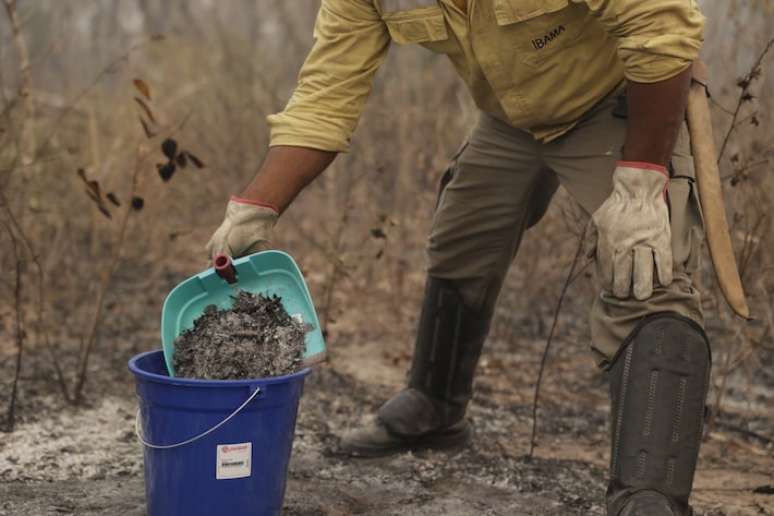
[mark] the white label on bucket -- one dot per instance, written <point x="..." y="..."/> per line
<point x="234" y="460"/>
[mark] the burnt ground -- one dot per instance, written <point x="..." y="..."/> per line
<point x="86" y="461"/>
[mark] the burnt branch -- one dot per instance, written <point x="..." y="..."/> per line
<point x="52" y="349"/>
<point x="571" y="277"/>
<point x="744" y="95"/>
<point x="10" y="418"/>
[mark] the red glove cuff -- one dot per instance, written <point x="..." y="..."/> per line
<point x="254" y="203"/>
<point x="644" y="165"/>
<point x="648" y="166"/>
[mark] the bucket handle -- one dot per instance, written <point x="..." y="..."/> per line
<point x="141" y="438"/>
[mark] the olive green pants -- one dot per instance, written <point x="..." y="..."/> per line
<point x="501" y="182"/>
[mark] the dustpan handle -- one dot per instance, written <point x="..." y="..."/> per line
<point x="141" y="438"/>
<point x="224" y="267"/>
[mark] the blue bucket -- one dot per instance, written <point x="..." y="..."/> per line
<point x="214" y="446"/>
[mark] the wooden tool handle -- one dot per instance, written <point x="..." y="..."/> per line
<point x="711" y="195"/>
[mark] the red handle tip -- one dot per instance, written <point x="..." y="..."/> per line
<point x="224" y="268"/>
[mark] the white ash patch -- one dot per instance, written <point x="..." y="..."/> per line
<point x="86" y="443"/>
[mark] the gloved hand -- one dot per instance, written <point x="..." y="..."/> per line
<point x="632" y="231"/>
<point x="247" y="228"/>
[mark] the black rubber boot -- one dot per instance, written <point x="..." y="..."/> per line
<point x="658" y="387"/>
<point x="430" y="412"/>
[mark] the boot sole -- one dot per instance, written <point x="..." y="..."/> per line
<point x="442" y="440"/>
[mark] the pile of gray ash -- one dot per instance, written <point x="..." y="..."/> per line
<point x="255" y="338"/>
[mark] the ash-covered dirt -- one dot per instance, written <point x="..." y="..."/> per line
<point x="86" y="461"/>
<point x="255" y="338"/>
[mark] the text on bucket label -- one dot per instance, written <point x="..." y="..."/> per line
<point x="234" y="461"/>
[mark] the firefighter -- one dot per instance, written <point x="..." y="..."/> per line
<point x="589" y="94"/>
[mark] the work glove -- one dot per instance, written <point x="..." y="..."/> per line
<point x="632" y="233"/>
<point x="247" y="228"/>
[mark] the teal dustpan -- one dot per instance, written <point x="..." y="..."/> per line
<point x="267" y="273"/>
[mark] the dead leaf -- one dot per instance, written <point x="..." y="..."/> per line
<point x="148" y="132"/>
<point x="196" y="161"/>
<point x="104" y="211"/>
<point x="146" y="109"/>
<point x="92" y="186"/>
<point x="166" y="170"/>
<point x="169" y="148"/>
<point x="143" y="88"/>
<point x="94" y="193"/>
<point x="112" y="198"/>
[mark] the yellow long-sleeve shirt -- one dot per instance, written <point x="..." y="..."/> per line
<point x="537" y="64"/>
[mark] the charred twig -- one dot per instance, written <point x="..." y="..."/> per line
<point x="310" y="238"/>
<point x="87" y="344"/>
<point x="744" y="95"/>
<point x="743" y="347"/>
<point x="18" y="330"/>
<point x="337" y="268"/>
<point x="105" y="280"/>
<point x="720" y="106"/>
<point x="725" y="425"/>
<point x="246" y="334"/>
<point x="729" y="367"/>
<point x="744" y="171"/>
<point x="721" y="390"/>
<point x="42" y="327"/>
<point x="744" y="354"/>
<point x="751" y="237"/>
<point x="571" y="276"/>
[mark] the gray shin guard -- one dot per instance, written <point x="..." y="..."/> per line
<point x="658" y="387"/>
<point x="449" y="342"/>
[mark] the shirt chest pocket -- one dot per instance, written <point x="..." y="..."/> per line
<point x="540" y="28"/>
<point x="414" y="21"/>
